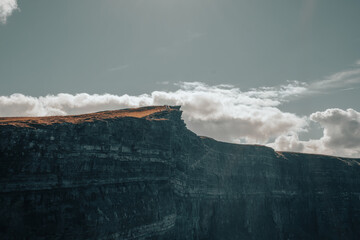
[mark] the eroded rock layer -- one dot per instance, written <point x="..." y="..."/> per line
<point x="140" y="174"/>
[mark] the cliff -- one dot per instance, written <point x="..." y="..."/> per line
<point x="140" y="174"/>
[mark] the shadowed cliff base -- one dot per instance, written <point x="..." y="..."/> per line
<point x="125" y="175"/>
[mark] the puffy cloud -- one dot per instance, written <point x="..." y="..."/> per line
<point x="341" y="135"/>
<point x="63" y="104"/>
<point x="288" y="142"/>
<point x="223" y="112"/>
<point x="341" y="128"/>
<point x="291" y="143"/>
<point x="6" y="9"/>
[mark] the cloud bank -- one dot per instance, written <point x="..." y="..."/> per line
<point x="6" y="9"/>
<point x="222" y="111"/>
<point x="226" y="113"/>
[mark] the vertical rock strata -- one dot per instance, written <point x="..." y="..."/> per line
<point x="140" y="174"/>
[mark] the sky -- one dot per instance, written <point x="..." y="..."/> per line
<point x="285" y="74"/>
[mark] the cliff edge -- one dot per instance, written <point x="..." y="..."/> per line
<point x="141" y="174"/>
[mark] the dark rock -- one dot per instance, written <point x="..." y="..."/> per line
<point x="140" y="174"/>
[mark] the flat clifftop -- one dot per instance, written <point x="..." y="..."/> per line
<point x="152" y="113"/>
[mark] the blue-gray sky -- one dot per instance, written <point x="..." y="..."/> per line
<point x="140" y="46"/>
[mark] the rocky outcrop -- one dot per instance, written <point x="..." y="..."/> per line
<point x="140" y="174"/>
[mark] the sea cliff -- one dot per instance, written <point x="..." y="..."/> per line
<point x="141" y="174"/>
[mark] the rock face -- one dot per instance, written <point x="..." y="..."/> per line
<point x="140" y="174"/>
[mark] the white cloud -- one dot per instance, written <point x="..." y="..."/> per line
<point x="223" y="112"/>
<point x="282" y="93"/>
<point x="341" y="79"/>
<point x="290" y="142"/>
<point x="341" y="135"/>
<point x="6" y="9"/>
<point x="341" y="128"/>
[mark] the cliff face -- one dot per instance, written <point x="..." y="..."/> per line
<point x="140" y="174"/>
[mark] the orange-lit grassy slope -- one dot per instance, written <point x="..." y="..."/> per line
<point x="143" y="112"/>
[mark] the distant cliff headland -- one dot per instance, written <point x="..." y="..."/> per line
<point x="141" y="174"/>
